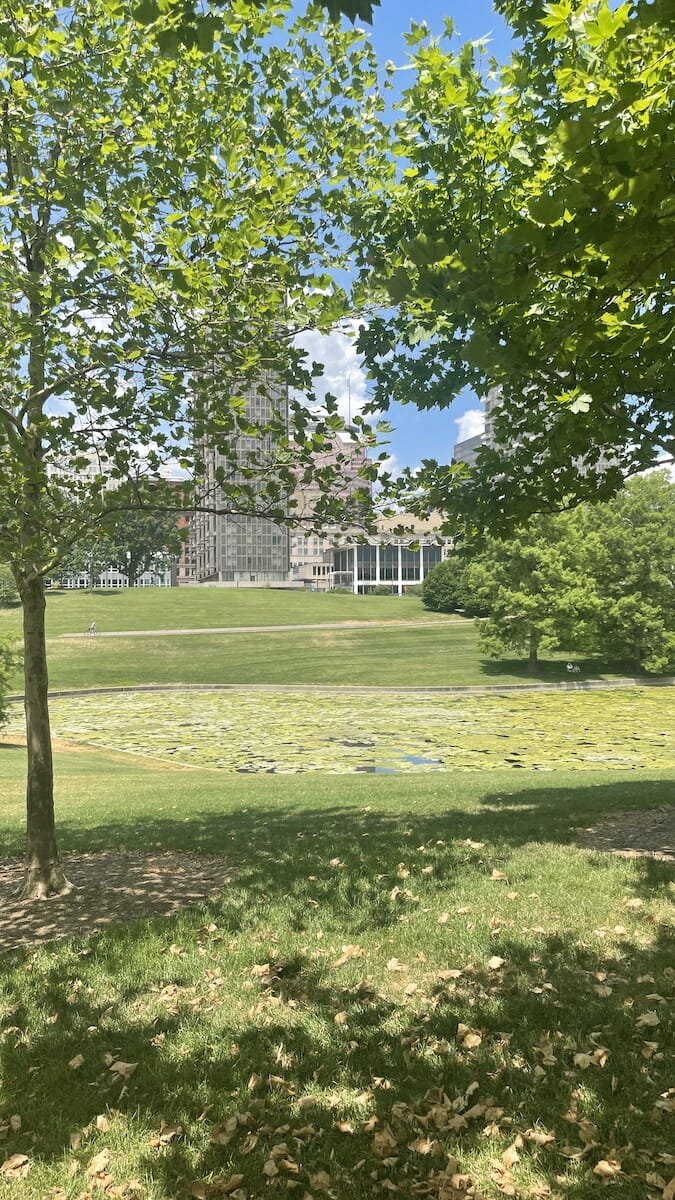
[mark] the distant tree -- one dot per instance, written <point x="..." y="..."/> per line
<point x="8" y="593"/>
<point x="534" y="592"/>
<point x="627" y="549"/>
<point x="143" y="541"/>
<point x="442" y="590"/>
<point x="88" y="557"/>
<point x="10" y="659"/>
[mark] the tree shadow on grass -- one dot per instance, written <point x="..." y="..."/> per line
<point x="555" y="670"/>
<point x="392" y="1084"/>
<point x="225" y="1021"/>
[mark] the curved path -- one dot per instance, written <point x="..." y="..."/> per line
<point x="125" y="633"/>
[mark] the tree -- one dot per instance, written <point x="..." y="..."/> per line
<point x="89" y="557"/>
<point x="168" y="225"/>
<point x="442" y="590"/>
<point x="627" y="550"/>
<point x="535" y="594"/>
<point x="144" y="541"/>
<point x="8" y="593"/>
<point x="178" y="23"/>
<point x="529" y="245"/>
<point x="10" y="659"/>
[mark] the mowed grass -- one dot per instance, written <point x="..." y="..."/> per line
<point x="211" y="608"/>
<point x="426" y="655"/>
<point x="409" y="981"/>
<point x="436" y="651"/>
<point x="414" y="985"/>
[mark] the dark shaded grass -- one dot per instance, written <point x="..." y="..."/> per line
<point x="320" y="864"/>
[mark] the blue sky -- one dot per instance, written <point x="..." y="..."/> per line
<point x="429" y="434"/>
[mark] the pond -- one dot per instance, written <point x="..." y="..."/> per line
<point x="293" y="732"/>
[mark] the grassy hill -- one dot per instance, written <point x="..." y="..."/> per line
<point x="211" y="608"/>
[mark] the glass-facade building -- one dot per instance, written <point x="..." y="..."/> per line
<point x="395" y="564"/>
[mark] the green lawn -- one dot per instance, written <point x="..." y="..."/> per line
<point x="422" y="656"/>
<point x="416" y="984"/>
<point x="409" y="978"/>
<point x="211" y="608"/>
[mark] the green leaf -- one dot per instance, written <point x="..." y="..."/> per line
<point x="520" y="152"/>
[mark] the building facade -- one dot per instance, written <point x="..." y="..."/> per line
<point x="311" y="553"/>
<point x="392" y="559"/>
<point x="241" y="549"/>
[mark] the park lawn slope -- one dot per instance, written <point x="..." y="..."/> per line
<point x="427" y="655"/>
<point x="211" y="608"/>
<point x="409" y="978"/>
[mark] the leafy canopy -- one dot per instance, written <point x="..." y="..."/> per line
<point x="529" y="245"/>
<point x="167" y="226"/>
<point x="178" y="23"/>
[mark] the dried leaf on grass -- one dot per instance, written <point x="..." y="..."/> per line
<point x="16" y="1167"/>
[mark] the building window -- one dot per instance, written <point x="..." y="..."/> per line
<point x="366" y="563"/>
<point x="388" y="563"/>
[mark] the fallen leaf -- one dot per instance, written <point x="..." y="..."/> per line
<point x="349" y="952"/>
<point x="99" y="1163"/>
<point x="607" y="1168"/>
<point x="270" y="1168"/>
<point x="384" y="1142"/>
<point x="228" y="1186"/>
<point x="15" y="1123"/>
<point x="496" y="962"/>
<point x="498" y="875"/>
<point x="124" y="1070"/>
<point x="166" y="1134"/>
<point x="394" y="965"/>
<point x="669" y="1190"/>
<point x="76" y="1062"/>
<point x="16" y="1167"/>
<point x="539" y="1137"/>
<point x="649" y="1018"/>
<point x="511" y="1156"/>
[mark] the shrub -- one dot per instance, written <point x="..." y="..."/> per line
<point x="442" y="588"/>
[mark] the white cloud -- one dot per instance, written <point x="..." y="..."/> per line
<point x="470" y="424"/>
<point x="343" y="375"/>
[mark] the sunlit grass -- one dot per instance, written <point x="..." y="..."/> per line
<point x="324" y="996"/>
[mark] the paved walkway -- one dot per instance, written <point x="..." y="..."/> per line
<point x="356" y="689"/>
<point x="126" y="633"/>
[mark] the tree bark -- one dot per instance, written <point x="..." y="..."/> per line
<point x="44" y="874"/>
<point x="533" y="661"/>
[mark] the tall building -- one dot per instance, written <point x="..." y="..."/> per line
<point x="312" y="552"/>
<point x="466" y="450"/>
<point x="241" y="549"/>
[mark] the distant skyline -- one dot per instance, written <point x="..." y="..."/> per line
<point x="430" y="434"/>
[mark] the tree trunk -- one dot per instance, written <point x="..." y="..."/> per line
<point x="44" y="874"/>
<point x="532" y="661"/>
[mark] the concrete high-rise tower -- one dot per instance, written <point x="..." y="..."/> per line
<point x="230" y="548"/>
